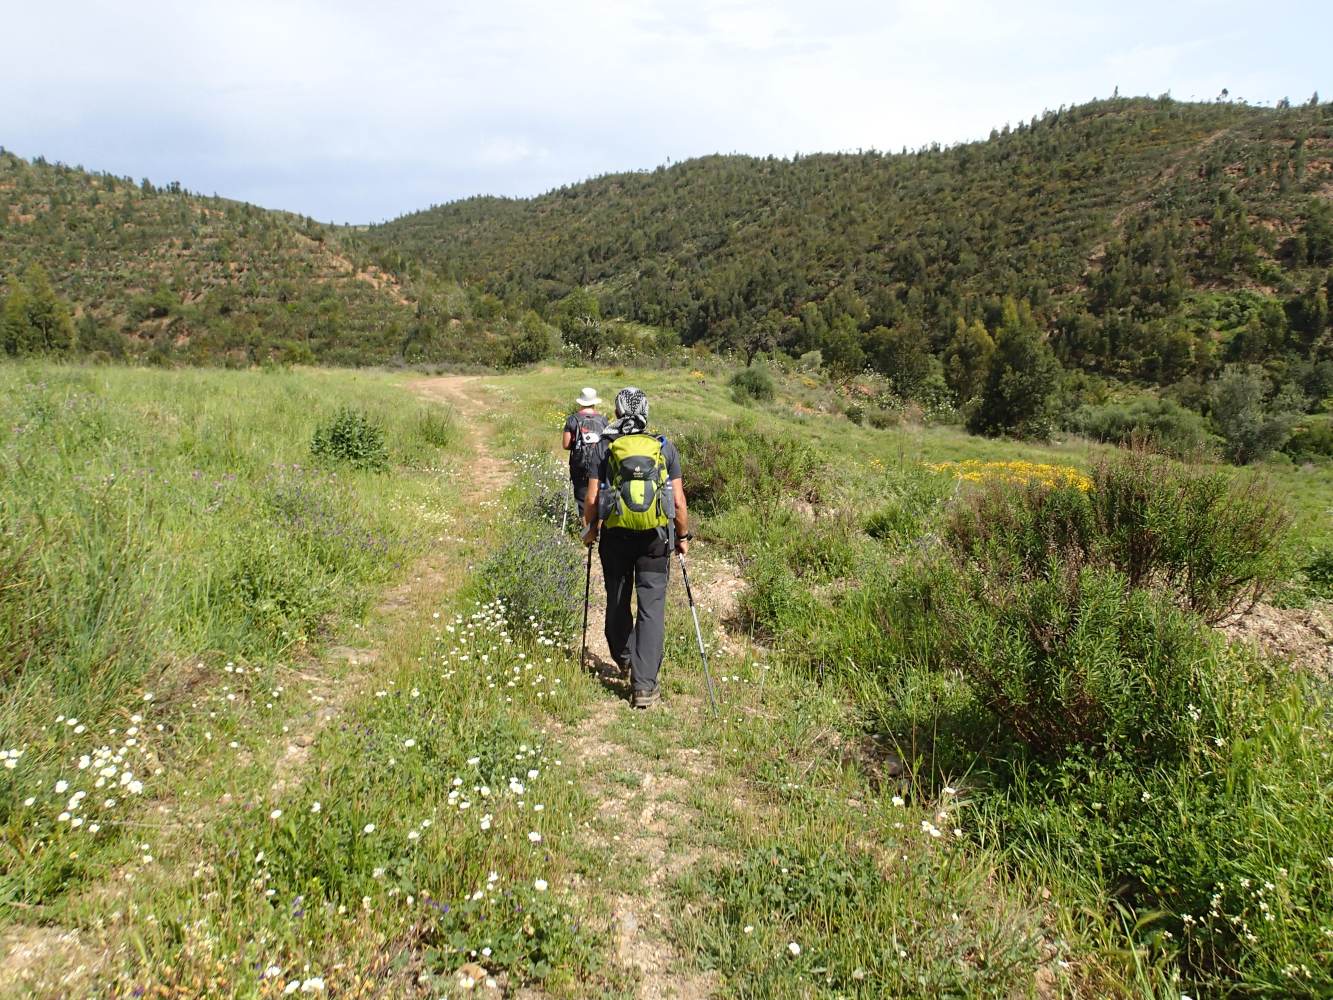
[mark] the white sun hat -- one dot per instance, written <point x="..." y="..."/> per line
<point x="589" y="397"/>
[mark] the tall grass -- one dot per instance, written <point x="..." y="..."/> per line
<point x="155" y="524"/>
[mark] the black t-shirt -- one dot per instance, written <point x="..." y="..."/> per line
<point x="582" y="464"/>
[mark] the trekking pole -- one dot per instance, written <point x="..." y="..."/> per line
<point x="698" y="632"/>
<point x="587" y="590"/>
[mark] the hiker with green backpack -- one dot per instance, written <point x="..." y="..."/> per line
<point x="636" y="507"/>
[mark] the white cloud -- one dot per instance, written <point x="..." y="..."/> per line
<point x="357" y="111"/>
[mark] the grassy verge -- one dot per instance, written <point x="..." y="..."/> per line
<point x="172" y="557"/>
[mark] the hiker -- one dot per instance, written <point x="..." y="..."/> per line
<point x="583" y="429"/>
<point x="636" y="505"/>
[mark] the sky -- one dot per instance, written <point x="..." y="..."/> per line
<point x="360" y="112"/>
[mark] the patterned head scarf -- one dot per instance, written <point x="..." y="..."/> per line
<point x="631" y="410"/>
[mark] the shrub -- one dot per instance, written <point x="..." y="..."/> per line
<point x="436" y="426"/>
<point x="1252" y="424"/>
<point x="351" y="436"/>
<point x="1078" y="657"/>
<point x="729" y="466"/>
<point x="855" y="412"/>
<point x="752" y="383"/>
<point x="1160" y="424"/>
<point x="1313" y="441"/>
<point x="882" y="419"/>
<point x="1213" y="543"/>
<point x="537" y="577"/>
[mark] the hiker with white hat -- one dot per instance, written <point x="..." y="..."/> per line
<point x="583" y="430"/>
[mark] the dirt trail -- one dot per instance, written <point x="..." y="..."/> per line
<point x="650" y="822"/>
<point x="429" y="578"/>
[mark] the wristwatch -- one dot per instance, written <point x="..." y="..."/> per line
<point x="687" y="536"/>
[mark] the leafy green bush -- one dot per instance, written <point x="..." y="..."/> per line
<point x="754" y="383"/>
<point x="351" y="436"/>
<point x="1160" y="424"/>
<point x="1311" y="442"/>
<point x="729" y="466"/>
<point x="1077" y="657"/>
<point x="1211" y="541"/>
<point x="882" y="418"/>
<point x="537" y="577"/>
<point x="1252" y="421"/>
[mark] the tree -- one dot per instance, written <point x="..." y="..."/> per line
<point x="1019" y="393"/>
<point x="531" y="343"/>
<point x="579" y="317"/>
<point x="902" y="355"/>
<point x="1251" y="424"/>
<point x="967" y="357"/>
<point x="840" y="347"/>
<point x="34" y="320"/>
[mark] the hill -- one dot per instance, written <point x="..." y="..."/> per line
<point x="1154" y="240"/>
<point x="170" y="276"/>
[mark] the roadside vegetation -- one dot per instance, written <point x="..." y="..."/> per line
<point x="977" y="735"/>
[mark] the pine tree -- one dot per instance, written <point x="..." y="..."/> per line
<point x="1018" y="396"/>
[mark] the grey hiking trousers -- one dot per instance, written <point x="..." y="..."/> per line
<point x="639" y="563"/>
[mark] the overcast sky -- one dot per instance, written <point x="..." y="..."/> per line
<point x="363" y="111"/>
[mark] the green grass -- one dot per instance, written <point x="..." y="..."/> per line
<point x="787" y="817"/>
<point x="169" y="531"/>
<point x="831" y="591"/>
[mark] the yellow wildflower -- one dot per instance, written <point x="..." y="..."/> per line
<point x="1017" y="472"/>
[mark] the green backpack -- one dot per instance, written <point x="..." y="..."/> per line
<point x="638" y="486"/>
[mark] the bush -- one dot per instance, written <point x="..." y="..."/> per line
<point x="1252" y="424"/>
<point x="1212" y="543"/>
<point x="351" y="437"/>
<point x="436" y="426"/>
<point x="537" y="576"/>
<point x="1078" y="657"/>
<point x="855" y="412"/>
<point x="882" y="419"/>
<point x="1311" y="442"/>
<point x="752" y="383"/>
<point x="730" y="466"/>
<point x="1160" y="424"/>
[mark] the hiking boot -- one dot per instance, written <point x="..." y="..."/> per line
<point x="623" y="671"/>
<point x="645" y="699"/>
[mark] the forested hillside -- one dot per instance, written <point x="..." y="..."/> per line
<point x="93" y="264"/>
<point x="1153" y="241"/>
<point x="1125" y="268"/>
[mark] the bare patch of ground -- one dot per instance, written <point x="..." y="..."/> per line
<point x="47" y="961"/>
<point x="1302" y="635"/>
<point x="649" y="820"/>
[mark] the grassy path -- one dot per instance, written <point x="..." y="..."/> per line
<point x="439" y="806"/>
